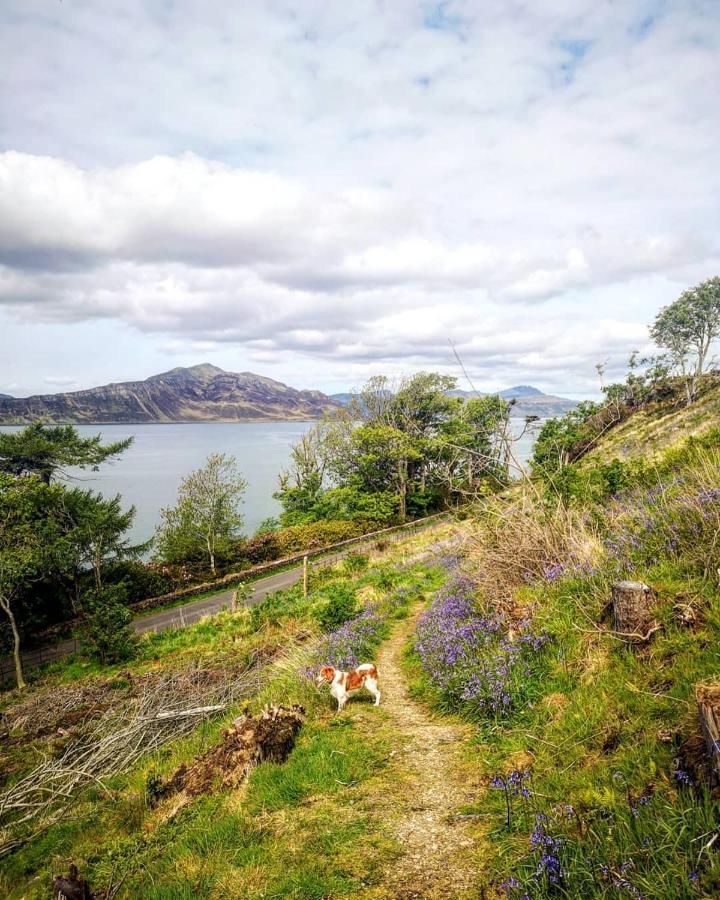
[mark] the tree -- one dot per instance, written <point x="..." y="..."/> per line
<point x="398" y="450"/>
<point x="687" y="329"/>
<point x="206" y="518"/>
<point x="48" y="450"/>
<point x="106" y="631"/>
<point x="28" y="538"/>
<point x="95" y="532"/>
<point x="301" y="484"/>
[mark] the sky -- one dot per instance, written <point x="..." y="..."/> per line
<point x="320" y="192"/>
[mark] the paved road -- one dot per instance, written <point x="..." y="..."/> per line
<point x="180" y="616"/>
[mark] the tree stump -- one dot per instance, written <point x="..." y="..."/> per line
<point x="708" y="701"/>
<point x="71" y="886"/>
<point x="633" y="606"/>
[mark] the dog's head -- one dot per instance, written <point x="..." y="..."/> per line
<point x="327" y="673"/>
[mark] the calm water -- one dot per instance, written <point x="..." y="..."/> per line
<point x="148" y="474"/>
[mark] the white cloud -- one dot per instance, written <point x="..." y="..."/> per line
<point x="331" y="190"/>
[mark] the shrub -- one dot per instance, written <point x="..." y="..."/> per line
<point x="355" y="563"/>
<point x="106" y="632"/>
<point x="534" y="537"/>
<point x="139" y="579"/>
<point x="341" y="606"/>
<point x="278" y="606"/>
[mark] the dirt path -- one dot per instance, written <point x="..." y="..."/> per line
<point x="431" y="780"/>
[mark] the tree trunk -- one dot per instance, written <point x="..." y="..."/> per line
<point x="633" y="606"/>
<point x="211" y="554"/>
<point x="16" y="644"/>
<point x="97" y="566"/>
<point x="402" y="477"/>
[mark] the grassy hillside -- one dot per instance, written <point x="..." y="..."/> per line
<point x="284" y="832"/>
<point x="658" y="427"/>
<point x="524" y="748"/>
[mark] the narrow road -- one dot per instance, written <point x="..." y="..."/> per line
<point x="163" y="619"/>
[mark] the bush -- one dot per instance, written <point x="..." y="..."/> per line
<point x="341" y="606"/>
<point x="139" y="579"/>
<point x="106" y="633"/>
<point x="355" y="563"/>
<point x="278" y="606"/>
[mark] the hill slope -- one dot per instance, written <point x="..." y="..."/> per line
<point x="658" y="427"/>
<point x="202" y="393"/>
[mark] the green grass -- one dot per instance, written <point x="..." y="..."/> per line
<point x="285" y="833"/>
<point x="600" y="739"/>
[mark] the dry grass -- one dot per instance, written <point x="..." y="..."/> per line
<point x="516" y="542"/>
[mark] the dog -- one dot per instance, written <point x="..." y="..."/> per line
<point x="342" y="683"/>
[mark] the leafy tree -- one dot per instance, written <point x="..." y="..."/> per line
<point x="106" y="631"/>
<point x="301" y="484"/>
<point x="48" y="450"/>
<point x="396" y="451"/>
<point x="206" y="519"/>
<point x="687" y="329"/>
<point x="95" y="531"/>
<point x="28" y="539"/>
<point x="268" y="525"/>
<point x="561" y="440"/>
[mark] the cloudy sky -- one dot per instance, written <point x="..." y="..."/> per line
<point x="322" y="191"/>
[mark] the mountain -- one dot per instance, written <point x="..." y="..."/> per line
<point x="201" y="393"/>
<point x="6" y="397"/>
<point x="343" y="399"/>
<point x="521" y="390"/>
<point x="526" y="400"/>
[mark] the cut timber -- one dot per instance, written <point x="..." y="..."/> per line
<point x="250" y="740"/>
<point x="633" y="607"/>
<point x="708" y="701"/>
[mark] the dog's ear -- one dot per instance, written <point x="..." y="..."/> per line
<point x="327" y="672"/>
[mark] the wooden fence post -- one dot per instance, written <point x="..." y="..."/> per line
<point x="305" y="576"/>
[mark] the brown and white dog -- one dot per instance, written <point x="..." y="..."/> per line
<point x="342" y="683"/>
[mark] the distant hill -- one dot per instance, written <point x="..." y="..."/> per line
<point x="6" y="397"/>
<point x="202" y="393"/>
<point x="526" y="400"/>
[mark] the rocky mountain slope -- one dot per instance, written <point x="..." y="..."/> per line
<point x="202" y="393"/>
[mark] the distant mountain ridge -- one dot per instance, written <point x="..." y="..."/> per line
<point x="526" y="400"/>
<point x="202" y="393"/>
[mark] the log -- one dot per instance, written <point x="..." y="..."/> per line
<point x="250" y="740"/>
<point x="633" y="605"/>
<point x="708" y="705"/>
